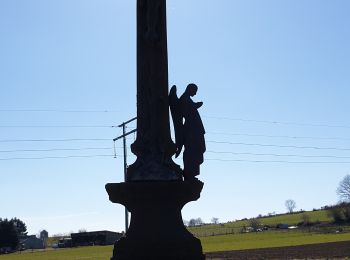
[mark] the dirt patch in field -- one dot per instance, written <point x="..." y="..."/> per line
<point x="335" y="250"/>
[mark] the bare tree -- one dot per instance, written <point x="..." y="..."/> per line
<point x="195" y="222"/>
<point x="343" y="189"/>
<point x="192" y="222"/>
<point x="255" y="224"/>
<point x="215" y="220"/>
<point x="199" y="221"/>
<point x="290" y="205"/>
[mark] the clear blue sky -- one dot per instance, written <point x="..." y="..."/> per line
<point x="267" y="71"/>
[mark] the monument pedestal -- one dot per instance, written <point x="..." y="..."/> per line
<point x="156" y="229"/>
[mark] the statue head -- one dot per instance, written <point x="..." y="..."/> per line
<point x="192" y="89"/>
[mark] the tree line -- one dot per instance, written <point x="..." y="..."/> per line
<point x="11" y="231"/>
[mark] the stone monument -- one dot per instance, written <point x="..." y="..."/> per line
<point x="154" y="191"/>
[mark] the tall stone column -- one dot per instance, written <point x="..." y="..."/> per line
<point x="153" y="146"/>
<point x="154" y="192"/>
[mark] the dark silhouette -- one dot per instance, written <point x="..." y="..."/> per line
<point x="154" y="192"/>
<point x="191" y="133"/>
<point x="11" y="231"/>
<point x="153" y="145"/>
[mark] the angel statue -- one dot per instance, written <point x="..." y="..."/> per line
<point x="188" y="133"/>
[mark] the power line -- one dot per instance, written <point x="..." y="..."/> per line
<point x="214" y="152"/>
<point x="279" y="136"/>
<point x="57" y="126"/>
<point x="208" y="159"/>
<point x="276" y="122"/>
<point x="59" y="110"/>
<point x="56" y="149"/>
<point x="214" y="133"/>
<point x="218" y="152"/>
<point x="55" y="157"/>
<point x="266" y="161"/>
<point x="206" y="116"/>
<point x="281" y="146"/>
<point x="54" y="140"/>
<point x="281" y="155"/>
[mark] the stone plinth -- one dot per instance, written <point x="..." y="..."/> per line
<point x="156" y="229"/>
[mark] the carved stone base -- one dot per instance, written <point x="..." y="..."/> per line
<point x="152" y="169"/>
<point x="156" y="229"/>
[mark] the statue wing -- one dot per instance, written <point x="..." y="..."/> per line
<point x="177" y="119"/>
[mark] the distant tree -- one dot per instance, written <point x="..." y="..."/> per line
<point x="343" y="189"/>
<point x="195" y="222"/>
<point x="305" y="218"/>
<point x="20" y="226"/>
<point x="290" y="205"/>
<point x="215" y="220"/>
<point x="192" y="222"/>
<point x="199" y="222"/>
<point x="255" y="223"/>
<point x="8" y="234"/>
<point x="346" y="212"/>
<point x="82" y="230"/>
<point x="336" y="213"/>
<point x="244" y="229"/>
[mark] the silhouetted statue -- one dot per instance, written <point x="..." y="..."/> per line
<point x="189" y="134"/>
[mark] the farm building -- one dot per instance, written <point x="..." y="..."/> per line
<point x="44" y="236"/>
<point x="32" y="242"/>
<point x="95" y="238"/>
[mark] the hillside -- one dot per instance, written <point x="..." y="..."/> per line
<point x="236" y="226"/>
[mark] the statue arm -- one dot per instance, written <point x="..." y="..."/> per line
<point x="198" y="104"/>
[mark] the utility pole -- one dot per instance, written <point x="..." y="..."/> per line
<point x="125" y="134"/>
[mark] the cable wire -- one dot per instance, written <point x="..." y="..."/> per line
<point x="280" y="155"/>
<point x="54" y="140"/>
<point x="56" y="149"/>
<point x="276" y="122"/>
<point x="57" y="126"/>
<point x="55" y="157"/>
<point x="279" y="136"/>
<point x="59" y="110"/>
<point x="280" y="146"/>
<point x="266" y="161"/>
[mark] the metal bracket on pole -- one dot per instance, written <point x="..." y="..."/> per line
<point x="125" y="134"/>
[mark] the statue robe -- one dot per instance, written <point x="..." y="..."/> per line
<point x="193" y="136"/>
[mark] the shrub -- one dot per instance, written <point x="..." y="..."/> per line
<point x="305" y="218"/>
<point x="337" y="214"/>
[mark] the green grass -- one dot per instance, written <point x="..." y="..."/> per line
<point x="293" y="219"/>
<point x="268" y="239"/>
<point x="210" y="244"/>
<point x="235" y="227"/>
<point x="82" y="253"/>
<point x="225" y="242"/>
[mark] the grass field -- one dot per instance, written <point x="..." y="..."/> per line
<point x="210" y="244"/>
<point x="82" y="253"/>
<point x="235" y="227"/>
<point x="267" y="239"/>
<point x="218" y="238"/>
